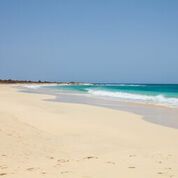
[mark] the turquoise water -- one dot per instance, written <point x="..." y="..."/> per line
<point x="166" y="94"/>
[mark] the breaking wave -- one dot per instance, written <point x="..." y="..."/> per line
<point x="158" y="99"/>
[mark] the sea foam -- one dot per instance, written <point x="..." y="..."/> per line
<point x="32" y="86"/>
<point x="158" y="99"/>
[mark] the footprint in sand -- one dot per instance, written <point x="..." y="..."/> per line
<point x="3" y="167"/>
<point x="110" y="162"/>
<point x="3" y="174"/>
<point x="132" y="155"/>
<point x="62" y="160"/>
<point x="65" y="172"/>
<point x="91" y="157"/>
<point x="131" y="167"/>
<point x="159" y="172"/>
<point x="30" y="169"/>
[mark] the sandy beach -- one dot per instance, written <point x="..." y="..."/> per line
<point x="41" y="138"/>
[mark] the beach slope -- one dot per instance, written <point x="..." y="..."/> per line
<point x="42" y="138"/>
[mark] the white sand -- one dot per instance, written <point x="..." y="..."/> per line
<point x="39" y="138"/>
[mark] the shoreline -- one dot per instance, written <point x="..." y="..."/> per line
<point x="52" y="139"/>
<point x="157" y="114"/>
<point x="31" y="86"/>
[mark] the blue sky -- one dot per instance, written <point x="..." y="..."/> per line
<point x="89" y="40"/>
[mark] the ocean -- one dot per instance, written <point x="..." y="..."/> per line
<point x="159" y="94"/>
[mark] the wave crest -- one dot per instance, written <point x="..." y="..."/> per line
<point x="158" y="99"/>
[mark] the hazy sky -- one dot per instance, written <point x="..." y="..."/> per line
<point x="89" y="40"/>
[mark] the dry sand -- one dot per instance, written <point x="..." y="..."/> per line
<point x="39" y="138"/>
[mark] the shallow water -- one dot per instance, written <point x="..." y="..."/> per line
<point x="164" y="116"/>
<point x="160" y="94"/>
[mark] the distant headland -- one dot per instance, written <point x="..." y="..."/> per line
<point x="11" y="81"/>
